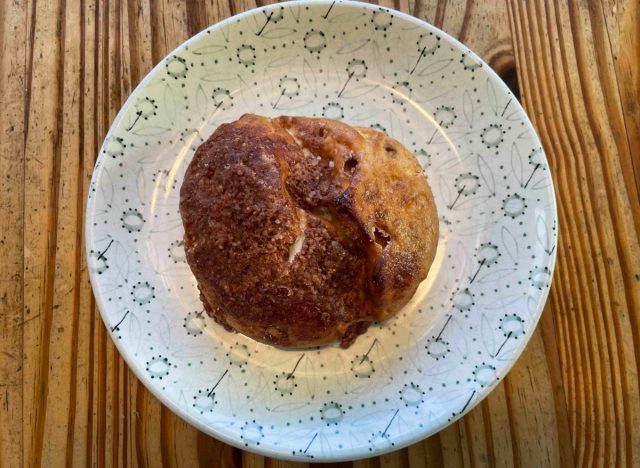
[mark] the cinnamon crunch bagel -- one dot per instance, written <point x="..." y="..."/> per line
<point x="301" y="231"/>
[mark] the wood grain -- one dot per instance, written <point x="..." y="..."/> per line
<point x="68" y="399"/>
<point x="597" y="295"/>
<point x="12" y="158"/>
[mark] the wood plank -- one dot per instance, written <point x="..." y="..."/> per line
<point x="399" y="458"/>
<point x="214" y="452"/>
<point x="495" y="412"/>
<point x="136" y="14"/>
<point x="536" y="426"/>
<point x="451" y="446"/>
<point x="59" y="410"/>
<point x="79" y="429"/>
<point x="474" y="439"/>
<point x="426" y="453"/>
<point x="13" y="32"/>
<point x="618" y="26"/>
<point x="564" y="79"/>
<point x="42" y="169"/>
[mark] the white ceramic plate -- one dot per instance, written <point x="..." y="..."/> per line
<point x="402" y="380"/>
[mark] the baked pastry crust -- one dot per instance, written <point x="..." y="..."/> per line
<point x="301" y="231"/>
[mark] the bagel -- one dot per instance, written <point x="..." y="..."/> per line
<point x="302" y="231"/>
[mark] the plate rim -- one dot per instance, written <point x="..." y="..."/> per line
<point x="406" y="439"/>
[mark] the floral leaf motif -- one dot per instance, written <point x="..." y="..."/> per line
<point x="278" y="33"/>
<point x="487" y="175"/>
<point x="349" y="47"/>
<point x="121" y="256"/>
<point x="106" y="186"/>
<point x="135" y="332"/>
<point x="220" y="77"/>
<point x="442" y="367"/>
<point x="141" y="185"/>
<point x="473" y="202"/>
<point x="182" y="401"/>
<point x="209" y="49"/>
<point x="150" y="131"/>
<point x="476" y="228"/>
<point x="514" y="116"/>
<point x="370" y="419"/>
<point x="542" y="234"/>
<point x="174" y="271"/>
<point x="458" y="330"/>
<point x="164" y="331"/>
<point x="543" y="183"/>
<point x="378" y="62"/>
<point x="516" y="164"/>
<point x="295" y="12"/>
<point x="339" y="365"/>
<point x="444" y="188"/>
<point x="358" y="91"/>
<point x="434" y="67"/>
<point x="201" y="101"/>
<point x="364" y="116"/>
<point x="290" y="104"/>
<point x="503" y="302"/>
<point x="460" y="258"/>
<point x="467" y="108"/>
<point x="435" y="93"/>
<point x="309" y="76"/>
<point x="287" y="407"/>
<point x="492" y="96"/>
<point x="532" y="305"/>
<point x="169" y="100"/>
<point x="286" y="61"/>
<point x="496" y="275"/>
<point x="510" y="243"/>
<point x="488" y="335"/>
<point x="415" y="352"/>
<point x="348" y="16"/>
<point x="166" y="226"/>
<point x="259" y="387"/>
<point x="309" y="380"/>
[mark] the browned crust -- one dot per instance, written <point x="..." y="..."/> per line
<point x="301" y="231"/>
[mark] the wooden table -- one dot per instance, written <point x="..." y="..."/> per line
<point x="66" y="397"/>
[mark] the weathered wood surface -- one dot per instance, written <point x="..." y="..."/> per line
<point x="67" y="398"/>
